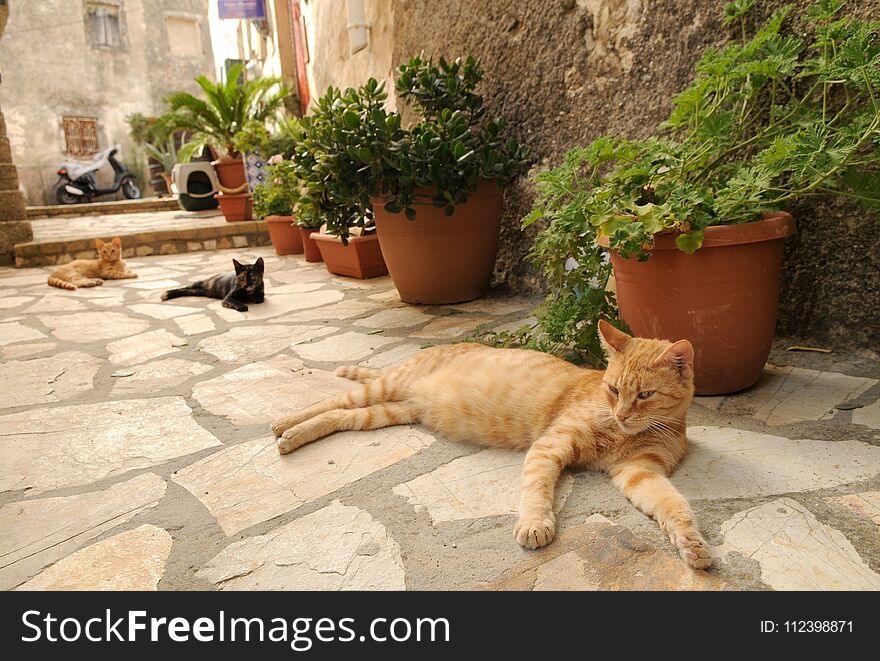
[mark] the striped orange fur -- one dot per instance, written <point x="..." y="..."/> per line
<point x="92" y="272"/>
<point x="628" y="420"/>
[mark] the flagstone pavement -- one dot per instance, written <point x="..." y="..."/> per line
<point x="136" y="454"/>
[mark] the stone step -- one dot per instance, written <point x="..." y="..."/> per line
<point x="105" y="208"/>
<point x="219" y="236"/>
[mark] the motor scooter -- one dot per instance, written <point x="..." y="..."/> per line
<point x="77" y="181"/>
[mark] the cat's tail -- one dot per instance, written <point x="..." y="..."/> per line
<point x="61" y="284"/>
<point x="359" y="374"/>
<point x="177" y="293"/>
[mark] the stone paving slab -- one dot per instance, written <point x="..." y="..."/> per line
<point x="482" y="484"/>
<point x="786" y="395"/>
<point x="37" y="533"/>
<point x="601" y="555"/>
<point x="795" y="550"/>
<point x="45" y="380"/>
<point x="131" y="560"/>
<point x="865" y="504"/>
<point x="88" y="442"/>
<point x="261" y="392"/>
<point x="757" y="464"/>
<point x="251" y="482"/>
<point x="104" y="383"/>
<point x="335" y="548"/>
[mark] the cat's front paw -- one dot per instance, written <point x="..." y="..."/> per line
<point x="293" y="439"/>
<point x="281" y="425"/>
<point x="692" y="548"/>
<point x="535" y="530"/>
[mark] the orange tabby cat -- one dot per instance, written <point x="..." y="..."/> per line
<point x="628" y="420"/>
<point x="93" y="272"/>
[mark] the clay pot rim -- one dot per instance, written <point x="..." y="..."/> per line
<point x="220" y="196"/>
<point x="227" y="160"/>
<point x="484" y="187"/>
<point x="774" y="225"/>
<point x="351" y="239"/>
<point x="275" y="218"/>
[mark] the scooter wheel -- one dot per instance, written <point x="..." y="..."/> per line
<point x="131" y="190"/>
<point x="65" y="197"/>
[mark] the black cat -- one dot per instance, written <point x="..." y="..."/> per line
<point x="236" y="289"/>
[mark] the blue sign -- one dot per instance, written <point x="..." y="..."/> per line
<point x="252" y="9"/>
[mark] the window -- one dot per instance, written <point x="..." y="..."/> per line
<point x="105" y="25"/>
<point x="81" y="135"/>
<point x="183" y="36"/>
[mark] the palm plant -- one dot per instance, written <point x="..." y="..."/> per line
<point x="225" y="110"/>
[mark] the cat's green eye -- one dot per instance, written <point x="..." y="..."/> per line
<point x="611" y="388"/>
<point x="645" y="394"/>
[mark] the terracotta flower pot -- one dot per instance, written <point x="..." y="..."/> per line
<point x="438" y="259"/>
<point x="230" y="172"/>
<point x="285" y="236"/>
<point x="237" y="207"/>
<point x="310" y="248"/>
<point x="361" y="258"/>
<point x="723" y="298"/>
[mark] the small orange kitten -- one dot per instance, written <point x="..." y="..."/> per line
<point x="628" y="420"/>
<point x="93" y="272"/>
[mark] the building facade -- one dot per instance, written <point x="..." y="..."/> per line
<point x="73" y="70"/>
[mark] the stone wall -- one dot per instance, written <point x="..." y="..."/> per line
<point x="50" y="70"/>
<point x="565" y="71"/>
<point x="331" y="62"/>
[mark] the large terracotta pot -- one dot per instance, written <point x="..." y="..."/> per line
<point x="723" y="298"/>
<point x="285" y="236"/>
<point x="438" y="259"/>
<point x="236" y="207"/>
<point x="310" y="248"/>
<point x="361" y="258"/>
<point x="230" y="173"/>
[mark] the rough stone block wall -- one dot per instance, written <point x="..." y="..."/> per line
<point x="566" y="71"/>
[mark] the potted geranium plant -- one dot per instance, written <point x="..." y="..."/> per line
<point x="216" y="120"/>
<point x="695" y="217"/>
<point x="433" y="190"/>
<point x="274" y="201"/>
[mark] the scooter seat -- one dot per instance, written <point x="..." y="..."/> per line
<point x="77" y="170"/>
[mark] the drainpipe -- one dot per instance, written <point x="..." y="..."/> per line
<point x="357" y="26"/>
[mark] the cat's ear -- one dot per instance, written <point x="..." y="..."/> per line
<point x="238" y="267"/>
<point x="613" y="340"/>
<point x="259" y="265"/>
<point x="680" y="356"/>
<point x="99" y="244"/>
<point x="117" y="242"/>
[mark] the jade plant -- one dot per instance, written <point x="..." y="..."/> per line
<point x="767" y="120"/>
<point x="355" y="152"/>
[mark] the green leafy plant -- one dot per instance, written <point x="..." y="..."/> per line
<point x="355" y="152"/>
<point x="339" y="159"/>
<point x="281" y="139"/>
<point x="767" y="120"/>
<point x="226" y="109"/>
<point x="166" y="153"/>
<point x="279" y="195"/>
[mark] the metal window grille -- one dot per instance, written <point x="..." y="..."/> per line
<point x="81" y="135"/>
